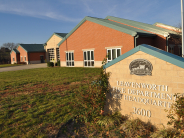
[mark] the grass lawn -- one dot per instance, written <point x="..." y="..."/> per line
<point x="9" y="65"/>
<point x="36" y="102"/>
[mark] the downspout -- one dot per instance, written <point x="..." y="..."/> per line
<point x="167" y="42"/>
<point x="135" y="42"/>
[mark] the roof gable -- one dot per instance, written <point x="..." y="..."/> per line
<point x="105" y="22"/>
<point x="61" y="35"/>
<point x="15" y="50"/>
<point x="32" y="47"/>
<point x="171" y="58"/>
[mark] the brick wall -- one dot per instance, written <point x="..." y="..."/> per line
<point x="36" y="56"/>
<point x="92" y="35"/>
<point x="13" y="55"/>
<point x="23" y="54"/>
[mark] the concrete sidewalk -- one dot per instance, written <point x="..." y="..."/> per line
<point x="22" y="67"/>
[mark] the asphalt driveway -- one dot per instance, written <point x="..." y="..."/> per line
<point x="22" y="67"/>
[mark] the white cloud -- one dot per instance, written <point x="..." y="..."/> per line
<point x="38" y="10"/>
<point x="75" y="11"/>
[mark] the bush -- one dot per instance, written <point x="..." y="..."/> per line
<point x="110" y="120"/>
<point x="50" y="64"/>
<point x="137" y="128"/>
<point x="166" y="133"/>
<point x="176" y="113"/>
<point x="58" y="63"/>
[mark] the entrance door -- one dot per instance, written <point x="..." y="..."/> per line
<point x="41" y="58"/>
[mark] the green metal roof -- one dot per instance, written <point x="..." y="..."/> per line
<point x="15" y="50"/>
<point x="145" y="26"/>
<point x="171" y="58"/>
<point x="32" y="47"/>
<point x="117" y="26"/>
<point x="61" y="35"/>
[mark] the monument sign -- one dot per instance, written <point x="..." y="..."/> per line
<point x="143" y="83"/>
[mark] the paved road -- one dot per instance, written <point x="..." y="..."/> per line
<point x="22" y="67"/>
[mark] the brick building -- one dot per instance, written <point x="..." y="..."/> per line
<point x="87" y="44"/>
<point x="28" y="53"/>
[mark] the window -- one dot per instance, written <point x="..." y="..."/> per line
<point x="69" y="59"/>
<point x="21" y="59"/>
<point x="51" y="54"/>
<point x="171" y="48"/>
<point x="113" y="53"/>
<point x="25" y="58"/>
<point x="13" y="59"/>
<point x="88" y="58"/>
<point x="57" y="52"/>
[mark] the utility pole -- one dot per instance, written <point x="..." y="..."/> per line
<point x="182" y="21"/>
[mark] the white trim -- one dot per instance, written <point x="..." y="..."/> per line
<point x="90" y="61"/>
<point x="90" y="49"/>
<point x="108" y="60"/>
<point x="113" y="47"/>
<point x="71" y="60"/>
<point x="24" y="58"/>
<point x="69" y="51"/>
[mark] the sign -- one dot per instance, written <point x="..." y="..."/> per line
<point x="143" y="86"/>
<point x="140" y="67"/>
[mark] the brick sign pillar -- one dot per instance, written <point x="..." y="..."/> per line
<point x="143" y="82"/>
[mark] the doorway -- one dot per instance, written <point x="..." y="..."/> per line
<point x="41" y="58"/>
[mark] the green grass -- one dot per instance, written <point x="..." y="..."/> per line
<point x="9" y="65"/>
<point x="36" y="102"/>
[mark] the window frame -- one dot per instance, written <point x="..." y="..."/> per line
<point x="116" y="53"/>
<point x="171" y="48"/>
<point x="58" y="53"/>
<point x="25" y="58"/>
<point x="13" y="59"/>
<point x="51" y="54"/>
<point x="70" y="60"/>
<point x="89" y="62"/>
<point x="21" y="58"/>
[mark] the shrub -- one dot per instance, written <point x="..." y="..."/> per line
<point x="165" y="133"/>
<point x="110" y="120"/>
<point x="50" y="64"/>
<point x="58" y="63"/>
<point x="137" y="128"/>
<point x="176" y="113"/>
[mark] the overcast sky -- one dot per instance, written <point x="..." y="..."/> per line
<point x="34" y="21"/>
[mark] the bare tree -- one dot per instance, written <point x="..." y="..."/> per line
<point x="10" y="46"/>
